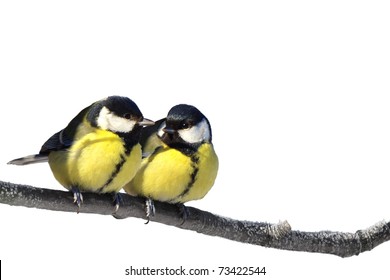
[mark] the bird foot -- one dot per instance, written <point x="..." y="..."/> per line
<point x="150" y="210"/>
<point x="117" y="201"/>
<point x="183" y="211"/>
<point x="77" y="198"/>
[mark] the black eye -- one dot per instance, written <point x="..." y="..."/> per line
<point x="127" y="116"/>
<point x="186" y="124"/>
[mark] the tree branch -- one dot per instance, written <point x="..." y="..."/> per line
<point x="278" y="236"/>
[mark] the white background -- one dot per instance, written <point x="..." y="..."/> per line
<point x="297" y="93"/>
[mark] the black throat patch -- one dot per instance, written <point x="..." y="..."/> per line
<point x="175" y="142"/>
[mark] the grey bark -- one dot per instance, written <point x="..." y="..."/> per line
<point x="279" y="235"/>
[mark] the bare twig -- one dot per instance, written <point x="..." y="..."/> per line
<point x="278" y="235"/>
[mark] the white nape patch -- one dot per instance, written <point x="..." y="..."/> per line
<point x="197" y="133"/>
<point x="160" y="131"/>
<point x="109" y="121"/>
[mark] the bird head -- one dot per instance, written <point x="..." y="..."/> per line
<point x="117" y="114"/>
<point x="185" y="124"/>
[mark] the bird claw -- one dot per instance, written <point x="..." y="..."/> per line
<point x="183" y="211"/>
<point x="77" y="198"/>
<point x="150" y="210"/>
<point x="117" y="201"/>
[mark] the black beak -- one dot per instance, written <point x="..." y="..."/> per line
<point x="169" y="130"/>
<point x="146" y="122"/>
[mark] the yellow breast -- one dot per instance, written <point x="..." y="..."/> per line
<point x="168" y="175"/>
<point x="96" y="162"/>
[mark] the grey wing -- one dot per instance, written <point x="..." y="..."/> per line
<point x="57" y="142"/>
<point x="149" y="131"/>
<point x="149" y="139"/>
<point x="61" y="140"/>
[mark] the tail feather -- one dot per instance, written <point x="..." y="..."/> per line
<point x="29" y="160"/>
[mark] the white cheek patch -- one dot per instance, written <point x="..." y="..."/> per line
<point x="197" y="133"/>
<point x="109" y="121"/>
<point x="102" y="121"/>
<point x="160" y="131"/>
<point x="118" y="124"/>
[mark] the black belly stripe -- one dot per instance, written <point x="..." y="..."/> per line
<point x="114" y="173"/>
<point x="194" y="160"/>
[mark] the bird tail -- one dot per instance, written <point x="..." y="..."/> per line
<point x="29" y="160"/>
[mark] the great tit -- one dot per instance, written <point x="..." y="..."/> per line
<point x="98" y="151"/>
<point x="180" y="163"/>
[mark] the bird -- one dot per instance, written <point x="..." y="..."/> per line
<point x="180" y="163"/>
<point x="98" y="151"/>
